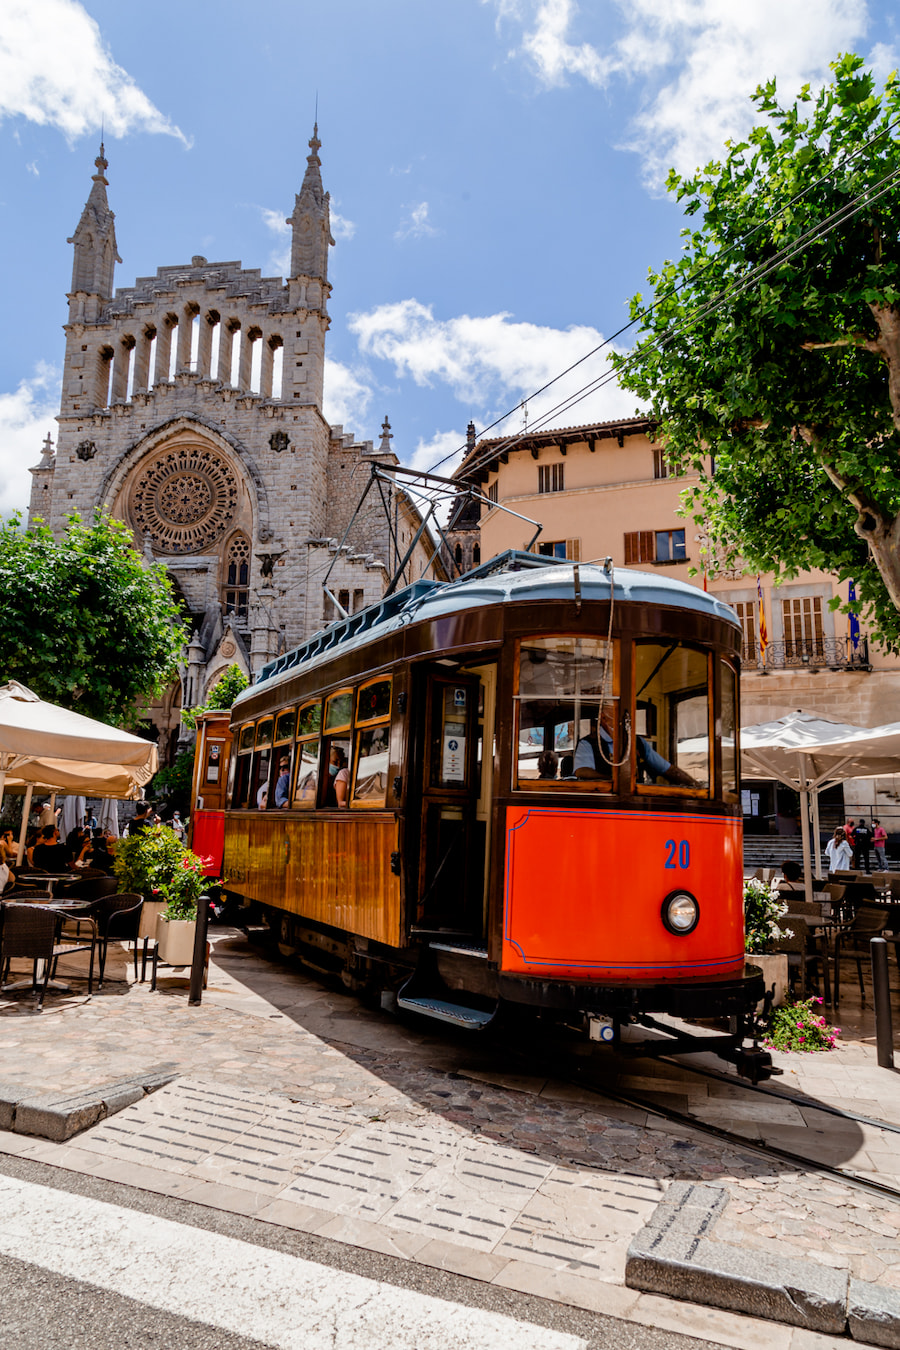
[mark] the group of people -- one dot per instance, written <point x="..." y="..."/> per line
<point x="849" y="848"/>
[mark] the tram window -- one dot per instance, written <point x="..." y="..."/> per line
<point x="338" y="710"/>
<point x="561" y="682"/>
<point x="450" y="710"/>
<point x="284" y="726"/>
<point x="730" y="778"/>
<point x="336" y="780"/>
<point x="264" y="731"/>
<point x="671" y="719"/>
<point x="371" y="768"/>
<point x="241" y="792"/>
<point x="373" y="702"/>
<point x="306" y="781"/>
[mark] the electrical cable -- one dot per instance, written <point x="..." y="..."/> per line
<point x="674" y="290"/>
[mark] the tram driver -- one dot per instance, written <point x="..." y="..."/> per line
<point x="590" y="762"/>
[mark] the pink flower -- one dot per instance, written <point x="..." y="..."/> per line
<point x="818" y="1000"/>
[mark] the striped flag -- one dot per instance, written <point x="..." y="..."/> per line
<point x="852" y="618"/>
<point x="763" y="630"/>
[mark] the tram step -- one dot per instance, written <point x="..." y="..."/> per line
<point x="474" y="1019"/>
<point x="460" y="949"/>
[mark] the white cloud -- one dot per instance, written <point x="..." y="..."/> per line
<point x="341" y="227"/>
<point x="697" y="62"/>
<point x="33" y="168"/>
<point x="883" y="60"/>
<point x="26" y="417"/>
<point x="348" y="393"/>
<point x="491" y="362"/>
<point x="416" y="225"/>
<point x="56" y="71"/>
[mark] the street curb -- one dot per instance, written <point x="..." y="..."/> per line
<point x="675" y="1255"/>
<point x="58" y="1116"/>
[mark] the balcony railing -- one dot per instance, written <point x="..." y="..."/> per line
<point x="809" y="654"/>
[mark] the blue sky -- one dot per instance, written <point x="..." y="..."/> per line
<point x="495" y="169"/>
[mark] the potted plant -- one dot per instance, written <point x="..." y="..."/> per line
<point x="171" y="879"/>
<point x="763" y="910"/>
<point x="181" y="893"/>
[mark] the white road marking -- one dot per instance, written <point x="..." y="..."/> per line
<point x="281" y="1300"/>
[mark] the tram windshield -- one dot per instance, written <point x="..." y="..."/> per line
<point x="671" y="722"/>
<point x="562" y="683"/>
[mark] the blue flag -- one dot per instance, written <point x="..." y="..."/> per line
<point x="853" y="624"/>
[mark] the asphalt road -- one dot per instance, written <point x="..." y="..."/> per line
<point x="90" y="1263"/>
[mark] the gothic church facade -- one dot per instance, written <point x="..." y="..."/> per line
<point x="192" y="409"/>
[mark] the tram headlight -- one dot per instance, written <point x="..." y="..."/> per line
<point x="680" y="912"/>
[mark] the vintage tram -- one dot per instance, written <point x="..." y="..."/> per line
<point x="517" y="789"/>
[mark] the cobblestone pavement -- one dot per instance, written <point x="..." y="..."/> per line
<point x="360" y="1079"/>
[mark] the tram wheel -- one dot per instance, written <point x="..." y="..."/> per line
<point x="285" y="935"/>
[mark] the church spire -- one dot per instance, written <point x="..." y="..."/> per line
<point x="95" y="239"/>
<point x="310" y="222"/>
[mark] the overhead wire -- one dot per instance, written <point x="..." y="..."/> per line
<point x="737" y="288"/>
<point x="665" y="296"/>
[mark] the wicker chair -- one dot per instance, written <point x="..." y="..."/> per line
<point x="29" y="931"/>
<point x="854" y="941"/>
<point x="804" y="950"/>
<point x="118" y="918"/>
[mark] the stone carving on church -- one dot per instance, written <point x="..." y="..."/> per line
<point x="85" y="450"/>
<point x="185" y="500"/>
<point x="279" y="440"/>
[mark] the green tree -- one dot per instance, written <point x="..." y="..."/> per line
<point x="222" y="695"/>
<point x="86" y="624"/>
<point x="773" y="347"/>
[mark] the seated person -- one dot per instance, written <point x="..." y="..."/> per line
<point x="283" y="782"/>
<point x="792" y="873"/>
<point x="101" y="851"/>
<point x="592" y="762"/>
<point x="9" y="849"/>
<point x="49" y="854"/>
<point x="546" y="765"/>
<point x="567" y="766"/>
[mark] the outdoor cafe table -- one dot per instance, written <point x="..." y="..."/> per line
<point x="61" y="908"/>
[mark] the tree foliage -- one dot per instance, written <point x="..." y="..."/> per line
<point x="222" y="695"/>
<point x="773" y="346"/>
<point x="86" y="623"/>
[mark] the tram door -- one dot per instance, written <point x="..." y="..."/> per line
<point x="451" y="865"/>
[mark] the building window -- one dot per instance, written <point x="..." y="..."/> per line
<point x="236" y="591"/>
<point x="803" y="631"/>
<point x="670" y="546"/>
<point x="660" y="467"/>
<point x="561" y="548"/>
<point x="476" y="556"/>
<point x="746" y="612"/>
<point x="551" y="478"/>
<point x="493" y="491"/>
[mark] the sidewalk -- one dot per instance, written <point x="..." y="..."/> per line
<point x="296" y="1105"/>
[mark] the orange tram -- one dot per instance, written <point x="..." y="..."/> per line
<point x="515" y="790"/>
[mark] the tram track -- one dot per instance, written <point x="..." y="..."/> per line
<point x="575" y="1076"/>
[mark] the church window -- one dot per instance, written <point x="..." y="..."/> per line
<point x="252" y="372"/>
<point x="476" y="556"/>
<point x="104" y="376"/>
<point x="457" y="556"/>
<point x="236" y="591"/>
<point x="277" y="366"/>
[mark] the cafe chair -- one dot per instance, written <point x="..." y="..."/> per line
<point x="29" y="932"/>
<point x="803" y="951"/>
<point x="118" y="919"/>
<point x="854" y="941"/>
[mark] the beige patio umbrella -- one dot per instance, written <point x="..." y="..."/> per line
<point x="48" y="746"/>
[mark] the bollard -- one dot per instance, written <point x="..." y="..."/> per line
<point x="884" y="1034"/>
<point x="198" y="964"/>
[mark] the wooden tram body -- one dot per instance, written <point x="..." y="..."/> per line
<point x="456" y="874"/>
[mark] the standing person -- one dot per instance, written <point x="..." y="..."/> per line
<point x="848" y="835"/>
<point x="47" y="816"/>
<point x="177" y="824"/>
<point x="838" y="852"/>
<point x="142" y="820"/>
<point x="879" y="841"/>
<point x="862" y="840"/>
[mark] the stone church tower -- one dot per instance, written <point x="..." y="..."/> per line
<point x="192" y="409"/>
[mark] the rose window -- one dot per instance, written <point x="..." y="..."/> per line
<point x="185" y="500"/>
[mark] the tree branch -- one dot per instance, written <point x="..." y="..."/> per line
<point x="852" y="340"/>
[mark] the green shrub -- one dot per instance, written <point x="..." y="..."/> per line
<point x="156" y="864"/>
<point x="800" y="1027"/>
<point x="763" y="908"/>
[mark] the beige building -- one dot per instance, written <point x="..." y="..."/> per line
<point x="605" y="490"/>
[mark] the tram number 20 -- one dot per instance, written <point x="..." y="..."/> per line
<point x="679" y="850"/>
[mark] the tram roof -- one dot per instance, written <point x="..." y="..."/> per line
<point x="511" y="577"/>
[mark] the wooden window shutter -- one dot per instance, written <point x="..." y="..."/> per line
<point x="647" y="548"/>
<point x="573" y="549"/>
<point x="631" y="548"/>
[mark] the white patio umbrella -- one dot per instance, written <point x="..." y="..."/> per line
<point x="808" y="753"/>
<point x="42" y="744"/>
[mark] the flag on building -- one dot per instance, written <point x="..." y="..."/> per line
<point x="852" y="618"/>
<point x="763" y="630"/>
